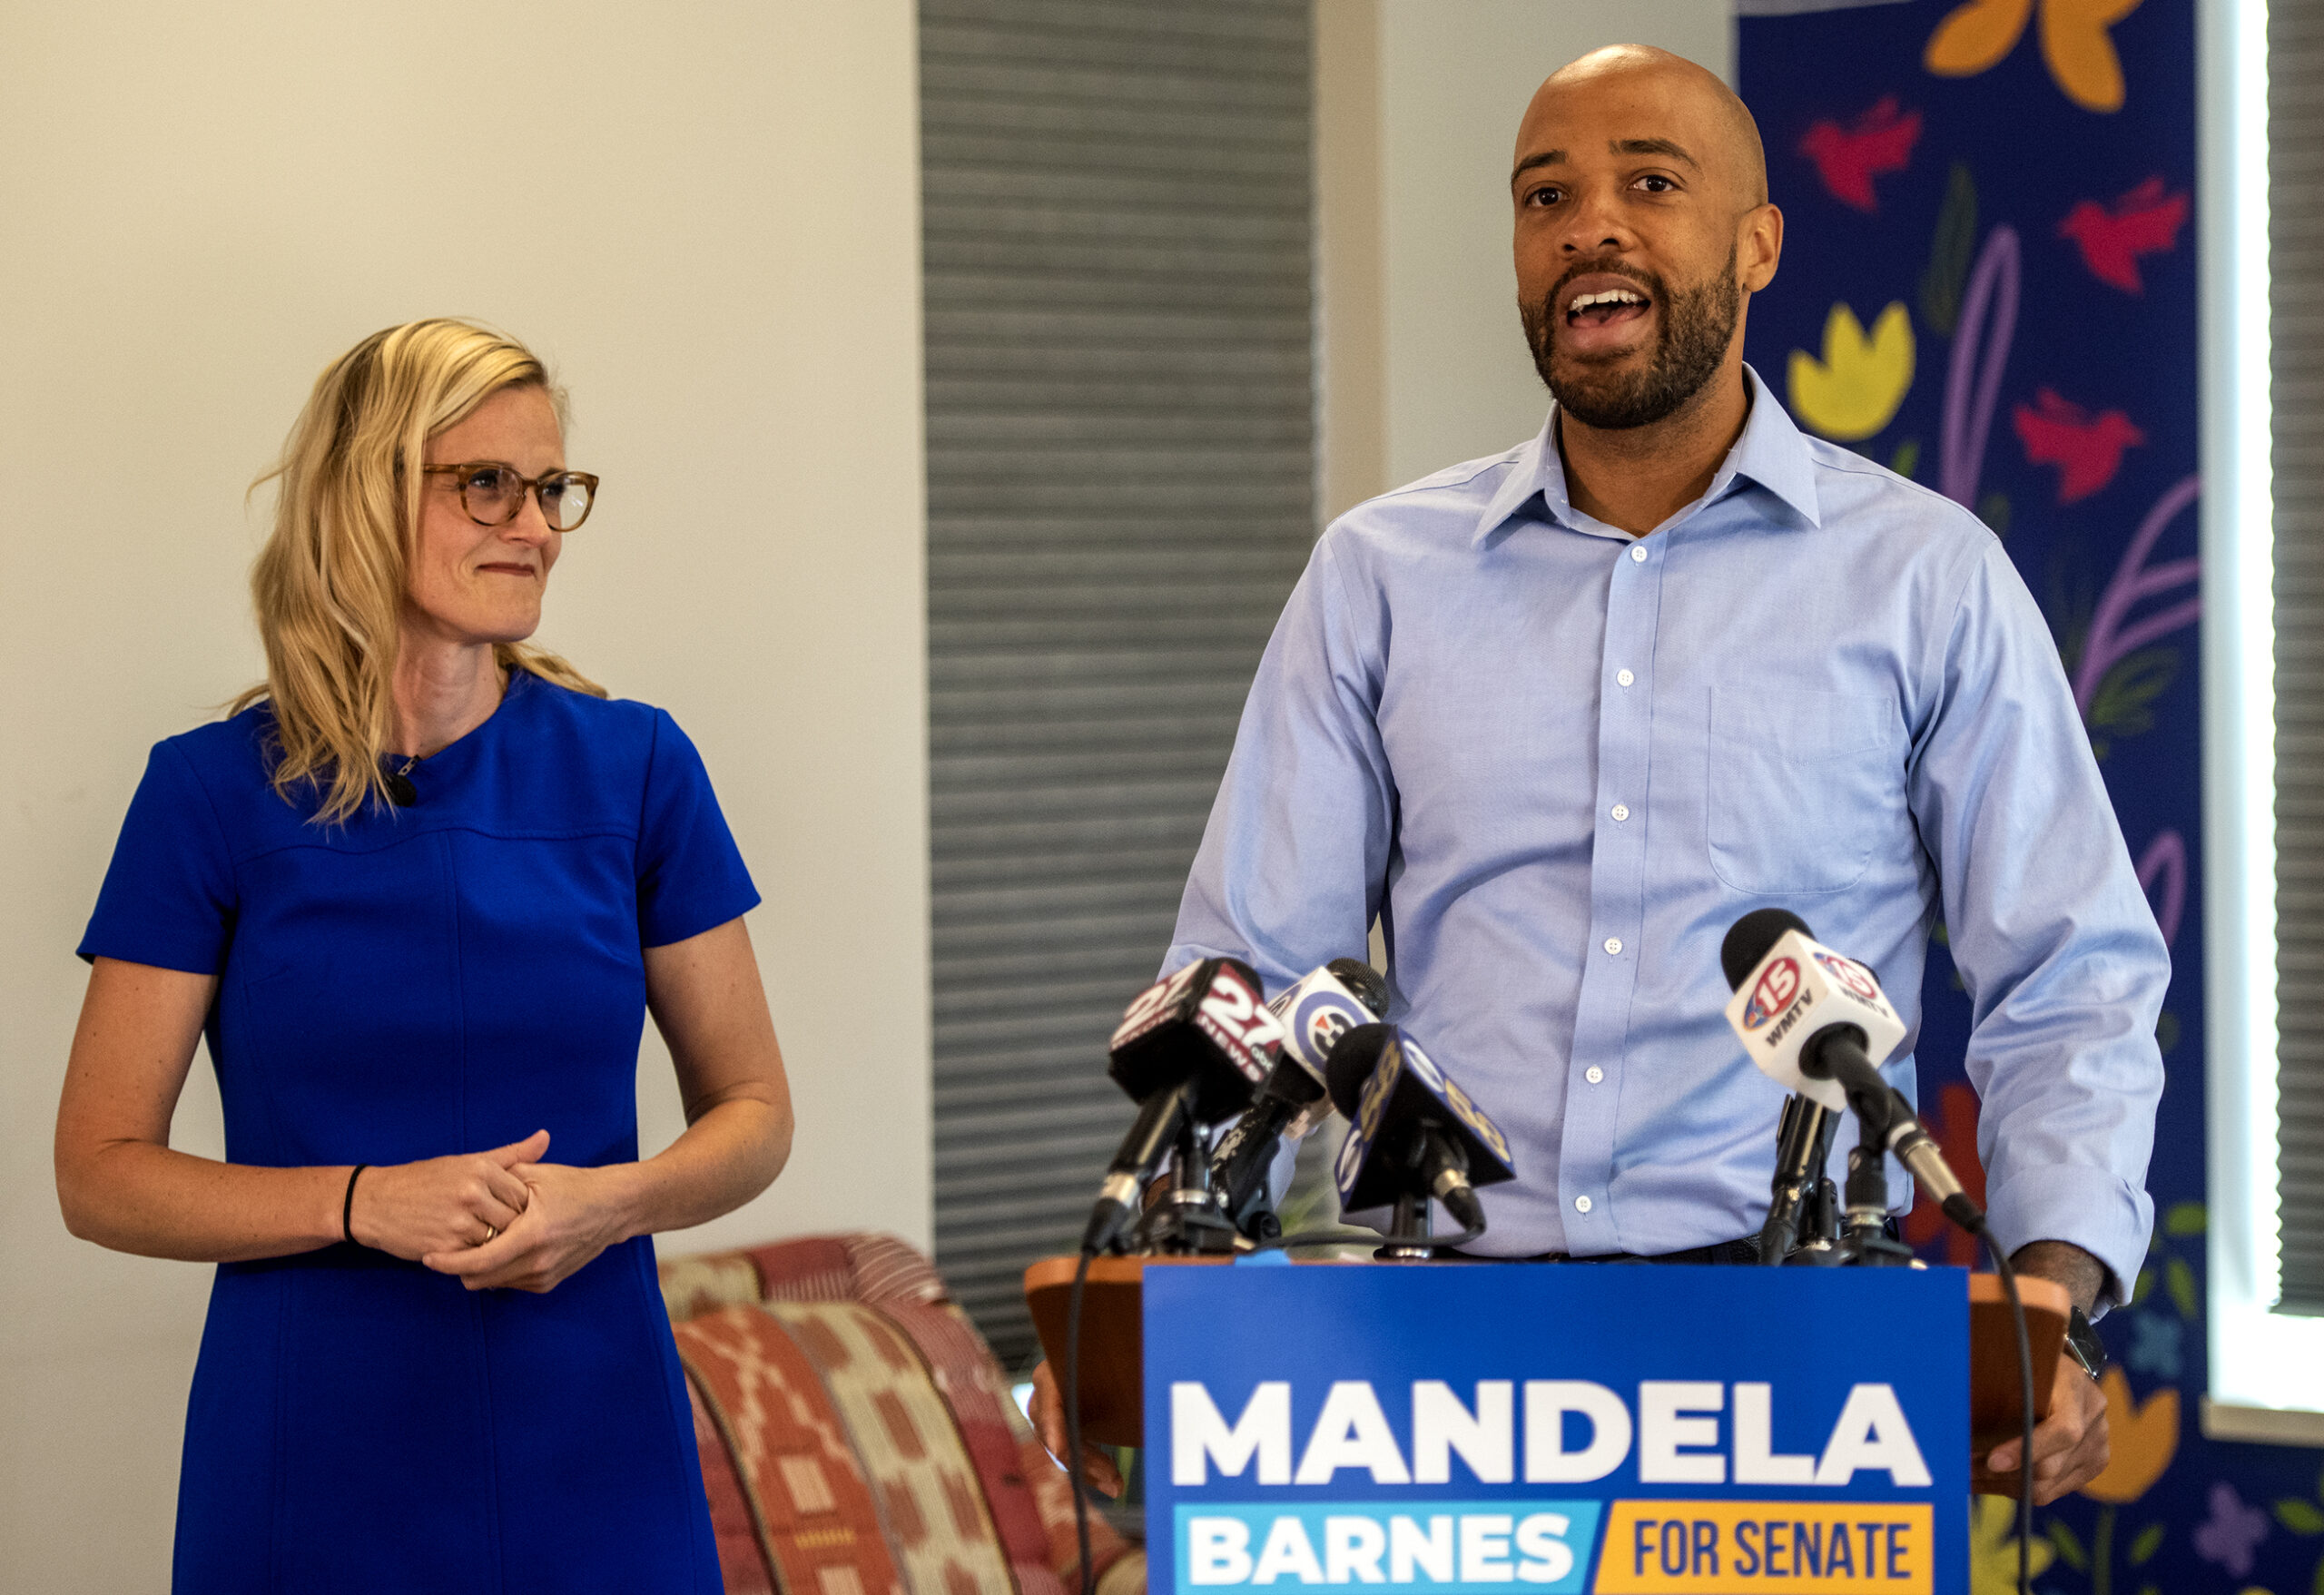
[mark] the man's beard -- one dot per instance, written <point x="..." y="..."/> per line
<point x="1697" y="324"/>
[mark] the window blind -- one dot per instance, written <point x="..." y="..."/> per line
<point x="2296" y="318"/>
<point x="1116" y="230"/>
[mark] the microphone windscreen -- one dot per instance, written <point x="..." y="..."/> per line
<point x="1354" y="1057"/>
<point x="1250" y="974"/>
<point x="1362" y="982"/>
<point x="1750" y="937"/>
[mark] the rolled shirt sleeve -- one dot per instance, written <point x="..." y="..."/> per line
<point x="2052" y="935"/>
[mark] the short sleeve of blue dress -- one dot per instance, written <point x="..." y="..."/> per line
<point x="690" y="874"/>
<point x="416" y="982"/>
<point x="168" y="898"/>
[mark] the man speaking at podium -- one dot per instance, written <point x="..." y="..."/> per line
<point x="1560" y="716"/>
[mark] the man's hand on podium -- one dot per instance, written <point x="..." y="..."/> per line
<point x="2069" y="1445"/>
<point x="1097" y="1470"/>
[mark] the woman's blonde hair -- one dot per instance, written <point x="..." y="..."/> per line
<point x="330" y="583"/>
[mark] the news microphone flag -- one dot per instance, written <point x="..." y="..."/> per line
<point x="1206" y="1024"/>
<point x="1799" y="988"/>
<point x="1801" y="994"/>
<point x="1315" y="1012"/>
<point x="1406" y="1095"/>
<point x="1192" y="1047"/>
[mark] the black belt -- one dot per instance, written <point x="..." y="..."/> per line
<point x="1720" y="1252"/>
<point x="1745" y="1251"/>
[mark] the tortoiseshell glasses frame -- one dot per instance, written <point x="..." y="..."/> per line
<point x="493" y="493"/>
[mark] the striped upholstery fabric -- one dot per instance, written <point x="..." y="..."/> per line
<point x="692" y="1285"/>
<point x="858" y="1437"/>
<point x="817" y="1522"/>
<point x="741" y="1563"/>
<point x="1118" y="1567"/>
<point x="876" y="1268"/>
<point x="972" y="1387"/>
<point x="811" y="1268"/>
<point x="931" y="1498"/>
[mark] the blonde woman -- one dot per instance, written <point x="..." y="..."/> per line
<point x="418" y="894"/>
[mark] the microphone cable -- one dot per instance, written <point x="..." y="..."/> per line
<point x="2025" y="1385"/>
<point x="1073" y="1413"/>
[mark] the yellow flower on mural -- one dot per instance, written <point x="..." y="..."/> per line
<point x="2144" y="1438"/>
<point x="1974" y="37"/>
<point x="1854" y="390"/>
<point x="1993" y="1547"/>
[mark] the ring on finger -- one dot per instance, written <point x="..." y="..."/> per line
<point x="491" y="1233"/>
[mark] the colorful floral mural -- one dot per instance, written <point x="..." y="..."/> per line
<point x="2015" y="224"/>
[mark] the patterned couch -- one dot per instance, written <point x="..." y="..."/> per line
<point x="858" y="1437"/>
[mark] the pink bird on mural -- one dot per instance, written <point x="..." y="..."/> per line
<point x="2141" y="222"/>
<point x="1847" y="159"/>
<point x="2087" y="452"/>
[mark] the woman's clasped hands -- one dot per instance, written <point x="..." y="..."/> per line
<point x="497" y="1220"/>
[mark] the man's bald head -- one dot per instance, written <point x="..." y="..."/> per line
<point x="1657" y="82"/>
<point x="1641" y="227"/>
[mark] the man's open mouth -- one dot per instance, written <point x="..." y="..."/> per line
<point x="1605" y="307"/>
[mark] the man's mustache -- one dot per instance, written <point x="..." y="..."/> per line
<point x="1648" y="280"/>
<point x="1541" y="320"/>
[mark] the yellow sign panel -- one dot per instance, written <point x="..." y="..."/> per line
<point x="1767" y="1548"/>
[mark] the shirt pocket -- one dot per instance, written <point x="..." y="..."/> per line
<point x="1799" y="785"/>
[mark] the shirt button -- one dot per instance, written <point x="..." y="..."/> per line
<point x="1624" y="677"/>
<point x="1593" y="1074"/>
<point x="1582" y="1204"/>
<point x="1614" y="945"/>
<point x="1622" y="810"/>
<point x="1638" y="552"/>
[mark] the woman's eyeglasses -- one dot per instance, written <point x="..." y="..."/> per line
<point x="494" y="493"/>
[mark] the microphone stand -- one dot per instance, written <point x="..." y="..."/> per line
<point x="1826" y="1237"/>
<point x="1188" y="1221"/>
<point x="1407" y="1239"/>
<point x="1414" y="1217"/>
<point x="1820" y="1227"/>
<point x="1803" y="1141"/>
<point x="1865" y="1243"/>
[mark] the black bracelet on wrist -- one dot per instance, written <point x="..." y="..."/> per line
<point x="347" y="1209"/>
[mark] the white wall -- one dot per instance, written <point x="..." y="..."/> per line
<point x="706" y="216"/>
<point x="1449" y="80"/>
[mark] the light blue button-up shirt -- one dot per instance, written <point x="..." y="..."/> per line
<point x="1558" y="763"/>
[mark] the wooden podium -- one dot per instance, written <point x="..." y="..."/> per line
<point x="1113" y="1338"/>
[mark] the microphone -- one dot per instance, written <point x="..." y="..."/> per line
<point x="1814" y="1021"/>
<point x="1803" y="1144"/>
<point x="1315" y="1013"/>
<point x="1415" y="1132"/>
<point x="1191" y="1048"/>
<point x="1329" y="1003"/>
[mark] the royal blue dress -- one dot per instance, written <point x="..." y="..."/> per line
<point x="445" y="978"/>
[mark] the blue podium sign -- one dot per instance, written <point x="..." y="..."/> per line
<point x="1449" y="1429"/>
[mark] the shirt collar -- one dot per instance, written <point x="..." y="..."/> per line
<point x="1770" y="453"/>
